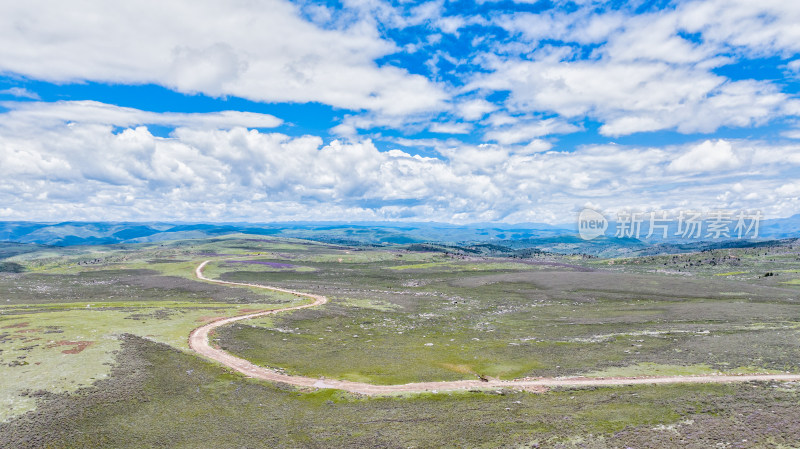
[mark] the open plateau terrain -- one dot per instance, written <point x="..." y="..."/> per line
<point x="94" y="345"/>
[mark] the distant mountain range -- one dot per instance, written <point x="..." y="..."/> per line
<point x="99" y="233"/>
<point x="554" y="238"/>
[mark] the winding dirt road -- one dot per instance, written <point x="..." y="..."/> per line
<point x="198" y="341"/>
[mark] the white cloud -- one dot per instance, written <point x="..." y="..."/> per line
<point x="789" y="189"/>
<point x="89" y="170"/>
<point x="40" y="113"/>
<point x="451" y="24"/>
<point x="705" y="157"/>
<point x="635" y="97"/>
<point x="580" y="26"/>
<point x="654" y="37"/>
<point x="529" y="130"/>
<point x="263" y="52"/>
<point x="450" y="128"/>
<point x="20" y="92"/>
<point x="535" y="146"/>
<point x="792" y="133"/>
<point x="345" y="129"/>
<point x="474" y="109"/>
<point x="646" y="73"/>
<point x="643" y="72"/>
<point x="427" y="143"/>
<point x="759" y="28"/>
<point x="632" y="73"/>
<point x="502" y="119"/>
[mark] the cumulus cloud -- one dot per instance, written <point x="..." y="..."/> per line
<point x="581" y="25"/>
<point x="20" y="92"/>
<point x="90" y="170"/>
<point x="526" y="131"/>
<point x="645" y="73"/>
<point x="632" y="72"/>
<point x="41" y="113"/>
<point x="262" y="52"/>
<point x="707" y="156"/>
<point x="517" y="91"/>
<point x="474" y="109"/>
<point x="757" y="28"/>
<point x="635" y="97"/>
<point x="535" y="146"/>
<point x="794" y="66"/>
<point x="450" y="128"/>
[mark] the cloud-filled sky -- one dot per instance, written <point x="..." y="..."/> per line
<point x="451" y="111"/>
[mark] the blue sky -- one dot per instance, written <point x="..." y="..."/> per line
<point x="455" y="111"/>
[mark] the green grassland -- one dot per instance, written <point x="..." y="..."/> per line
<point x="94" y="339"/>
<point x="159" y="397"/>
<point x="86" y="297"/>
<point x="454" y="319"/>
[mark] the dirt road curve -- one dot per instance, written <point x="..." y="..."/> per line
<point x="198" y="341"/>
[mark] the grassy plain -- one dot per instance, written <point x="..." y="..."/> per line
<point x="93" y="346"/>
